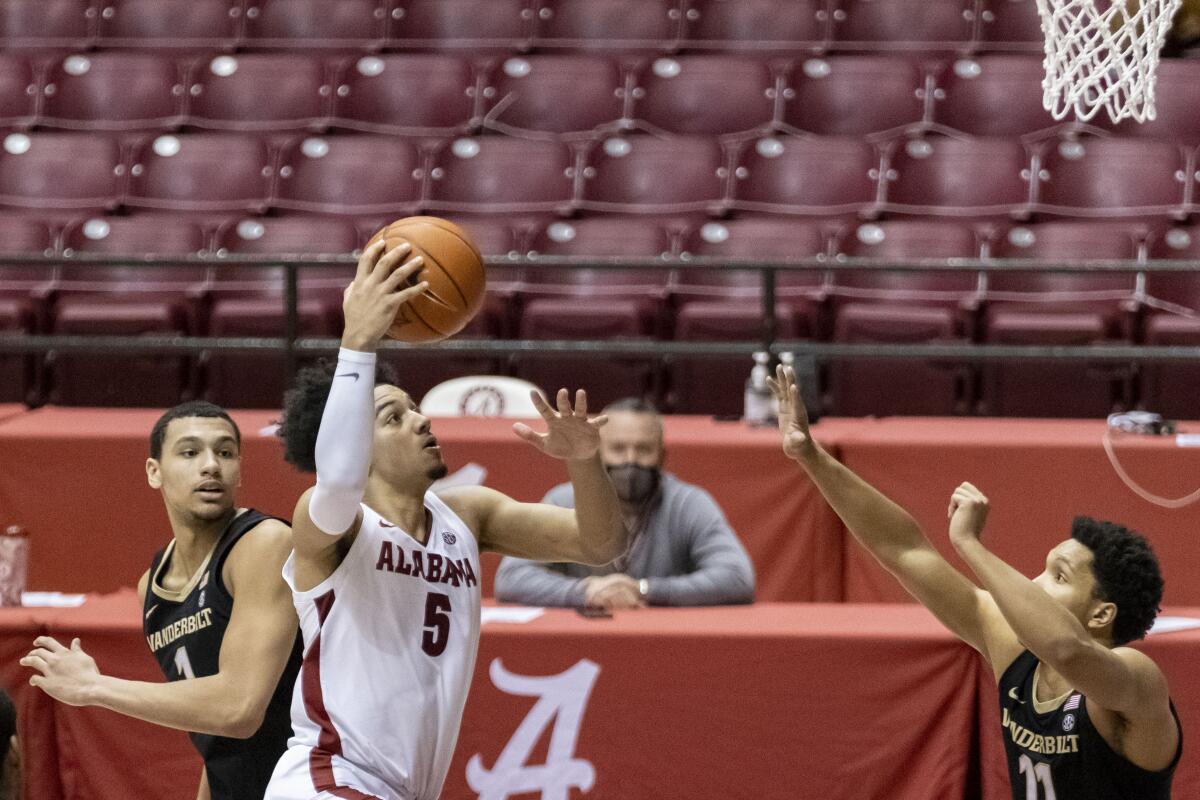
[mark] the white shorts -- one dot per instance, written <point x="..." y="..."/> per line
<point x="293" y="780"/>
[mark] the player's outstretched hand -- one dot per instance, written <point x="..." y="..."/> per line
<point x="569" y="435"/>
<point x="381" y="285"/>
<point x="968" y="514"/>
<point x="793" y="416"/>
<point x="65" y="673"/>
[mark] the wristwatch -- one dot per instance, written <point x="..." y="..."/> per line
<point x="644" y="588"/>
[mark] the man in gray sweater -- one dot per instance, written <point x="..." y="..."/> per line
<point x="682" y="551"/>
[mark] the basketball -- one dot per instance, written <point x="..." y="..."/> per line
<point x="454" y="268"/>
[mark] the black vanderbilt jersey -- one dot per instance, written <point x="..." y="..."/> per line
<point x="184" y="630"/>
<point x="1057" y="754"/>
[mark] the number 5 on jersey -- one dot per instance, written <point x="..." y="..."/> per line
<point x="436" y="633"/>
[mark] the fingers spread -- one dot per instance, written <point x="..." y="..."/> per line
<point x="528" y="434"/>
<point x="541" y="405"/>
<point x="387" y="264"/>
<point x="580" y="403"/>
<point x="600" y="421"/>
<point x="564" y="402"/>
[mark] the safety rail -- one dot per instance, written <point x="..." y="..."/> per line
<point x="292" y="345"/>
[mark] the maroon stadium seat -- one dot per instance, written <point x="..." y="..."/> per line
<point x="856" y="95"/>
<point x="23" y="293"/>
<point x="783" y="25"/>
<point x="954" y="176"/>
<point x="406" y="94"/>
<point x="609" y="303"/>
<point x="350" y="175"/>
<point x="186" y="25"/>
<point x="305" y="24"/>
<point x="44" y="24"/>
<point x="61" y="171"/>
<point x="1010" y="25"/>
<point x="891" y="25"/>
<point x="628" y="237"/>
<point x="1176" y="99"/>
<point x="726" y="304"/>
<point x="259" y="91"/>
<point x="501" y="25"/>
<point x="127" y="300"/>
<point x="1171" y="388"/>
<point x="555" y="94"/>
<point x="606" y="378"/>
<point x="19" y="89"/>
<point x="201" y="172"/>
<point x="707" y="94"/>
<point x="901" y="308"/>
<point x="655" y="175"/>
<point x="1099" y="177"/>
<point x="494" y="175"/>
<point x="807" y="175"/>
<point x="1041" y="307"/>
<point x="608" y="24"/>
<point x="249" y="301"/>
<point x="113" y="92"/>
<point x="998" y="95"/>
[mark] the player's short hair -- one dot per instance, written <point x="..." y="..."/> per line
<point x="303" y="406"/>
<point x="194" y="408"/>
<point x="1127" y="574"/>
<point x="633" y="405"/>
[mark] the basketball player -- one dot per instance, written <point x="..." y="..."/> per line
<point x="385" y="573"/>
<point x="1085" y="717"/>
<point x="216" y="616"/>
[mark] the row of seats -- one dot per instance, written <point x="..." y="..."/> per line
<point x="566" y="95"/>
<point x="382" y="176"/>
<point x="1022" y="306"/>
<point x="524" y="24"/>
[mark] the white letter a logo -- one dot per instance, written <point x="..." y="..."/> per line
<point x="561" y="700"/>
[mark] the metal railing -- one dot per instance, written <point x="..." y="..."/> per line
<point x="291" y="345"/>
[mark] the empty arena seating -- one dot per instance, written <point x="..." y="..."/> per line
<point x="856" y="95"/>
<point x="664" y="129"/>
<point x="903" y="307"/>
<point x="259" y="91"/>
<point x="1042" y="307"/>
<point x="406" y="94"/>
<point x="807" y="175"/>
<point x="1171" y="316"/>
<point x="113" y="91"/>
<point x="555" y="94"/>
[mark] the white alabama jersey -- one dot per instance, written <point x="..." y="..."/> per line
<point x="389" y="650"/>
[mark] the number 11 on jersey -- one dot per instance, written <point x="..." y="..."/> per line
<point x="183" y="664"/>
<point x="1035" y="774"/>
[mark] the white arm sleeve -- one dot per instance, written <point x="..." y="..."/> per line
<point x="343" y="452"/>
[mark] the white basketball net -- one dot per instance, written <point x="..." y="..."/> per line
<point x="1103" y="54"/>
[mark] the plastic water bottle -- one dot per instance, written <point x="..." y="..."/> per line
<point x="757" y="401"/>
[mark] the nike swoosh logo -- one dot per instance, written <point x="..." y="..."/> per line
<point x="1013" y="694"/>
<point x="151" y="611"/>
<point x="348" y="375"/>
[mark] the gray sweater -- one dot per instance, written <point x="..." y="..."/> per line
<point x="685" y="548"/>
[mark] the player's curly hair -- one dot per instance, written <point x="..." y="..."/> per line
<point x="1127" y="575"/>
<point x="303" y="405"/>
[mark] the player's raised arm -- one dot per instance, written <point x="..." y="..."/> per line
<point x="594" y="532"/>
<point x="330" y="509"/>
<point x="1121" y="679"/>
<point x="892" y="536"/>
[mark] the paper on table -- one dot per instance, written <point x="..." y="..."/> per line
<point x="51" y="599"/>
<point x="519" y="614"/>
<point x="1171" y="624"/>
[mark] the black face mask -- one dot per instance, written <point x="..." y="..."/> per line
<point x="634" y="483"/>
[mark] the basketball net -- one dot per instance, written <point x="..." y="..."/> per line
<point x="1103" y="54"/>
